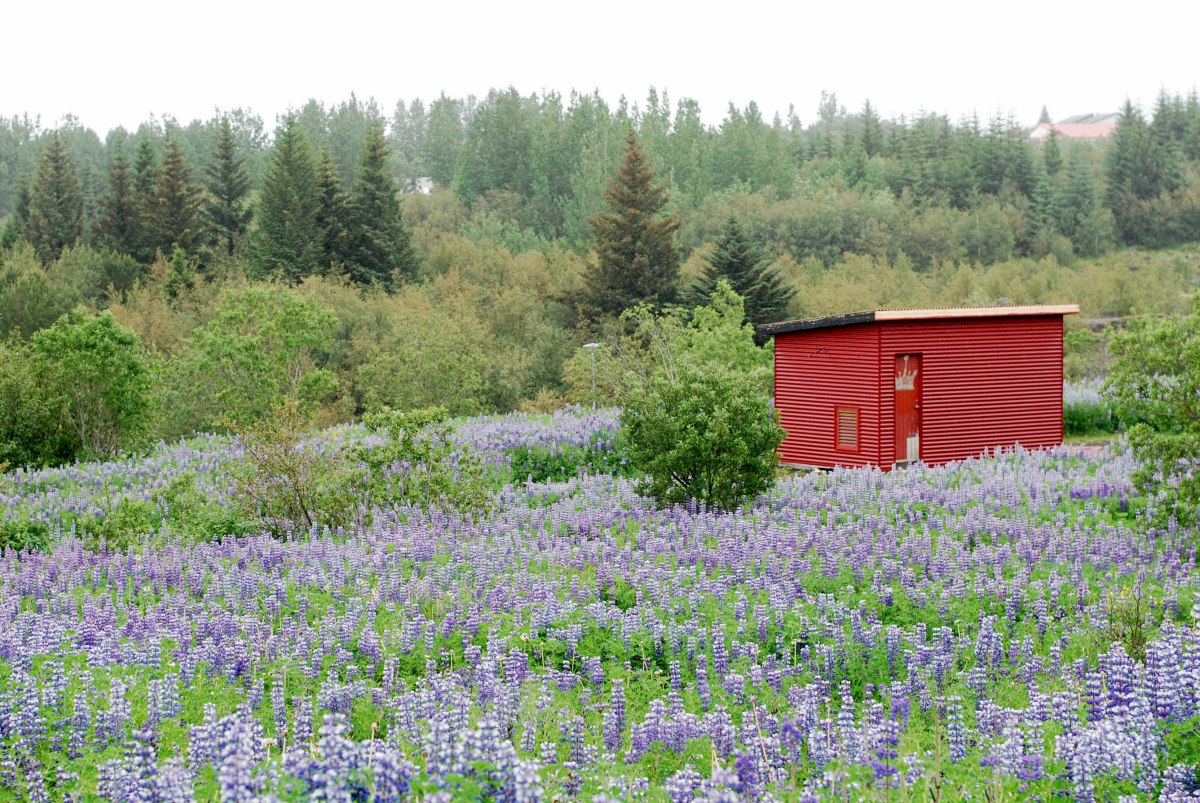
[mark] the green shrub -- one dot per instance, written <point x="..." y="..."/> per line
<point x="127" y="524"/>
<point x="435" y="472"/>
<point x="288" y="480"/>
<point x="196" y="515"/>
<point x="1155" y="382"/>
<point x="24" y="534"/>
<point x="706" y="436"/>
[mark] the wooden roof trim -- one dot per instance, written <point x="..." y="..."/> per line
<point x="976" y="312"/>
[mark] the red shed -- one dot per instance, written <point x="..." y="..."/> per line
<point x="893" y="386"/>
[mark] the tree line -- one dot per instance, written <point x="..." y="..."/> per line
<point x="237" y="271"/>
<point x="536" y="166"/>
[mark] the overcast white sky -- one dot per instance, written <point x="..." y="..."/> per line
<point x="117" y="63"/>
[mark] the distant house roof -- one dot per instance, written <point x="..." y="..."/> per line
<point x="871" y="316"/>
<point x="1081" y="126"/>
<point x="1098" y="119"/>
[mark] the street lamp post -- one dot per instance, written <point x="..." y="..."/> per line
<point x="592" y="348"/>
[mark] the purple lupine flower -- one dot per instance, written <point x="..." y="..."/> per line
<point x="956" y="736"/>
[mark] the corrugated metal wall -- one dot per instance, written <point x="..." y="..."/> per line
<point x="817" y="371"/>
<point x="987" y="382"/>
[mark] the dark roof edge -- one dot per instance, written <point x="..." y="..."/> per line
<point x="935" y="313"/>
<point x="783" y="327"/>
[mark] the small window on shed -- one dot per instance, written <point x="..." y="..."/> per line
<point x="846" y="429"/>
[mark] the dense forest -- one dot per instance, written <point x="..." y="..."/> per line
<point x="459" y="251"/>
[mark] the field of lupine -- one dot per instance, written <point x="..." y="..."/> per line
<point x="1003" y="628"/>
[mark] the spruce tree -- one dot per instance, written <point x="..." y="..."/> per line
<point x="173" y="216"/>
<point x="120" y="223"/>
<point x="334" y="213"/>
<point x="226" y="212"/>
<point x="145" y="177"/>
<point x="54" y="218"/>
<point x="636" y="256"/>
<point x="288" y="241"/>
<point x="741" y="262"/>
<point x="379" y="241"/>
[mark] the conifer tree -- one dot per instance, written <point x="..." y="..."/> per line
<point x="173" y="216"/>
<point x="379" y="241"/>
<point x="120" y="223"/>
<point x="636" y="256"/>
<point x="288" y="241"/>
<point x="1052" y="154"/>
<point x="54" y="219"/>
<point x="741" y="262"/>
<point x="226" y="212"/>
<point x="145" y="177"/>
<point x="333" y="215"/>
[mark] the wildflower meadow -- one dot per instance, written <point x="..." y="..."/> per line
<point x="1011" y="627"/>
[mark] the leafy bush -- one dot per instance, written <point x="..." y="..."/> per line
<point x="100" y="377"/>
<point x="563" y="461"/>
<point x="24" y="534"/>
<point x="195" y="514"/>
<point x="707" y="436"/>
<point x="288" y="480"/>
<point x="1155" y="381"/>
<point x="417" y="464"/>
<point x="124" y="525"/>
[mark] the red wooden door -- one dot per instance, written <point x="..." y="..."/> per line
<point x="908" y="408"/>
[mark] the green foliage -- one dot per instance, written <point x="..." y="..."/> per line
<point x="123" y="526"/>
<point x="119" y="226"/>
<point x="30" y="427"/>
<point x="30" y="297"/>
<point x="741" y="262"/>
<point x="101" y="378"/>
<point x="289" y="240"/>
<point x="261" y="345"/>
<point x="55" y="216"/>
<point x="379" y="240"/>
<point x="417" y="463"/>
<point x="430" y="360"/>
<point x="292" y="480"/>
<point x="289" y="479"/>
<point x="636" y="256"/>
<point x="699" y="424"/>
<point x="197" y="513"/>
<point x="22" y="534"/>
<point x="564" y="461"/>
<point x="1089" y="418"/>
<point x="225" y="210"/>
<point x="705" y="436"/>
<point x="1155" y="380"/>
<point x="173" y="214"/>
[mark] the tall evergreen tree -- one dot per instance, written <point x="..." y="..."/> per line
<point x="636" y="256"/>
<point x="872" y="131"/>
<point x="379" y="241"/>
<point x="741" y="262"/>
<point x="120" y="223"/>
<point x="227" y="214"/>
<point x="288" y="241"/>
<point x="145" y="177"/>
<point x="55" y="216"/>
<point x="173" y="217"/>
<point x="1052" y="154"/>
<point x="333" y="217"/>
<point x="444" y="136"/>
